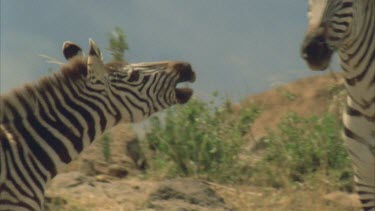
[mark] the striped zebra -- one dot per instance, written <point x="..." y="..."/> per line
<point x="46" y="124"/>
<point x="348" y="28"/>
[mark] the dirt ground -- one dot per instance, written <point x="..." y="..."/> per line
<point x="92" y="183"/>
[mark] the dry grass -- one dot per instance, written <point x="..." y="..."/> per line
<point x="245" y="198"/>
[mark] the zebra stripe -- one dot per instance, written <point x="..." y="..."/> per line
<point x="348" y="27"/>
<point x="46" y="124"/>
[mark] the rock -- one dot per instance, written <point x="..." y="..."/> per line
<point x="186" y="194"/>
<point x="116" y="170"/>
<point x="134" y="151"/>
<point x="103" y="178"/>
<point x="70" y="180"/>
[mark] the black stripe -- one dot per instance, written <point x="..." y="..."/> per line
<point x="18" y="204"/>
<point x="124" y="104"/>
<point x="365" y="43"/>
<point x="78" y="145"/>
<point x="161" y="82"/>
<point x="346" y="5"/>
<point x="343" y="23"/>
<point x="78" y="93"/>
<point x="22" y="159"/>
<point x="167" y="96"/>
<point x="117" y="114"/>
<point x="63" y="130"/>
<point x="364" y="104"/>
<point x="94" y="107"/>
<point x="135" y="106"/>
<point x="344" y="15"/>
<point x="19" y="173"/>
<point x="5" y="117"/>
<point x="37" y="169"/>
<point x="144" y="83"/>
<point x="58" y="125"/>
<point x="352" y="112"/>
<point x="350" y="134"/>
<point x="149" y="92"/>
<point x="96" y="98"/>
<point x="30" y="173"/>
<point x="135" y="95"/>
<point x="338" y="30"/>
<point x="131" y="92"/>
<point x="32" y="144"/>
<point x="44" y="132"/>
<point x="86" y="115"/>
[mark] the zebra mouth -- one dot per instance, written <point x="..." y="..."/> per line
<point x="184" y="94"/>
<point x="316" y="53"/>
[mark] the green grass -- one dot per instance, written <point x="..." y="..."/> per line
<point x="106" y="146"/>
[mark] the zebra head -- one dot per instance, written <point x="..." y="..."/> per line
<point x="328" y="29"/>
<point x="139" y="89"/>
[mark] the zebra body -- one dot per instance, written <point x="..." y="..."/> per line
<point x="45" y="125"/>
<point x="348" y="27"/>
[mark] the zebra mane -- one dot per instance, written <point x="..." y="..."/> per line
<point x="76" y="68"/>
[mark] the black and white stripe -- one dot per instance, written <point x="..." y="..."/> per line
<point x="46" y="124"/>
<point x="348" y="27"/>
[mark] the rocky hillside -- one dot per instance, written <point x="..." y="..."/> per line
<point x="93" y="183"/>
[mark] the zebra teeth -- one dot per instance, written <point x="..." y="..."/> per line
<point x="186" y="75"/>
<point x="183" y="85"/>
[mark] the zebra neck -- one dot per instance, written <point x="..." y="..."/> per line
<point x="357" y="57"/>
<point x="359" y="74"/>
<point x="55" y="119"/>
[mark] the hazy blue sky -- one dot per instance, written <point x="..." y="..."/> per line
<point x="237" y="47"/>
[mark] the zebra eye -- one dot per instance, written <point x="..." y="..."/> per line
<point x="134" y="76"/>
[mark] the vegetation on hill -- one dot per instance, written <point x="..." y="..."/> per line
<point x="211" y="143"/>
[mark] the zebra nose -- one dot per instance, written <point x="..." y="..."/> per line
<point x="311" y="47"/>
<point x="314" y="40"/>
<point x="316" y="52"/>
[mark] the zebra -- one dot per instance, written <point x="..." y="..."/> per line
<point x="348" y="28"/>
<point x="46" y="124"/>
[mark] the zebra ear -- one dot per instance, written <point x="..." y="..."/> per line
<point x="95" y="67"/>
<point x="71" y="50"/>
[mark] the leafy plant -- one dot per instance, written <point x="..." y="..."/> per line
<point x="117" y="44"/>
<point x="200" y="141"/>
<point x="117" y="47"/>
<point x="106" y="146"/>
<point x="303" y="146"/>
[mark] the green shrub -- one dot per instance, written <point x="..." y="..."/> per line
<point x="197" y="140"/>
<point x="208" y="142"/>
<point x="301" y="147"/>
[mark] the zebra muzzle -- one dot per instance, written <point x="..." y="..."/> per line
<point x="316" y="53"/>
<point x="186" y="74"/>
